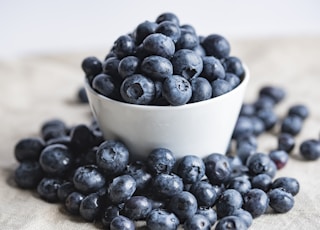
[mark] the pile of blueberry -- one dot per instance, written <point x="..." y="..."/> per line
<point x="165" y="63"/>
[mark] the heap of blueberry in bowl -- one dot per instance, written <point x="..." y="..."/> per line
<point x="165" y="63"/>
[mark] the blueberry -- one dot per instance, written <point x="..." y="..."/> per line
<point x="233" y="79"/>
<point x="279" y="157"/>
<point x="258" y="163"/>
<point x="28" y="149"/>
<point x="137" y="208"/>
<point x="258" y="125"/>
<point x="191" y="169"/>
<point x="187" y="64"/>
<point x="82" y="137"/>
<point x="247" y="138"/>
<point x="264" y="102"/>
<point x="199" y="50"/>
<point x="53" y="128"/>
<point x="216" y="45"/>
<point x="261" y="181"/>
<point x="310" y="149"/>
<point x="72" y="202"/>
<point x="229" y="201"/>
<point x="91" y="66"/>
<point x="177" y="90"/>
<point x="220" y="87"/>
<point x="156" y="67"/>
<point x="124" y="46"/>
<point x="109" y="213"/>
<point x="212" y="68"/>
<point x="197" y="222"/>
<point x="159" y="44"/>
<point x="143" y="30"/>
<point x="201" y="89"/>
<point x="277" y="94"/>
<point x="218" y="169"/>
<point x="289" y="184"/>
<point x="291" y="124"/>
<point x="112" y="157"/>
<point x="137" y="89"/>
<point x="160" y="160"/>
<point x="189" y="28"/>
<point x="121" y="223"/>
<point x="64" y="190"/>
<point x="243" y="127"/>
<point x="184" y="205"/>
<point x="280" y="200"/>
<point x="82" y="95"/>
<point x="240" y="183"/>
<point x="247" y="109"/>
<point x="167" y="185"/>
<point x="170" y="29"/>
<point x="128" y="65"/>
<point x="88" y="179"/>
<point x="244" y="215"/>
<point x="231" y="223"/>
<point x="168" y="16"/>
<point x="56" y="159"/>
<point x="159" y="219"/>
<point x="138" y="170"/>
<point x="187" y="40"/>
<point x="28" y="174"/>
<point x="121" y="189"/>
<point x="244" y="151"/>
<point x="208" y="212"/>
<point x="110" y="66"/>
<point x="256" y="202"/>
<point x="286" y="142"/>
<point x="90" y="207"/>
<point x="205" y="193"/>
<point x="47" y="189"/>
<point x="268" y="117"/>
<point x="301" y="111"/>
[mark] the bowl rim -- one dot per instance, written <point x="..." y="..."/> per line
<point x="242" y="84"/>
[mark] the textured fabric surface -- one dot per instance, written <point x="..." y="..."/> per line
<point x="37" y="88"/>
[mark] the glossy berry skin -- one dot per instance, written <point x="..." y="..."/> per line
<point x="277" y="94"/>
<point x="212" y="68"/>
<point x="143" y="30"/>
<point x="184" y="205"/>
<point x="56" y="159"/>
<point x="244" y="215"/>
<point x="280" y="200"/>
<point x="286" y="142"/>
<point x="28" y="174"/>
<point x="291" y="124"/>
<point x="187" y="63"/>
<point x="260" y="163"/>
<point x="28" y="149"/>
<point x="167" y="16"/>
<point x="137" y="89"/>
<point x="240" y="183"/>
<point x="205" y="193"/>
<point x="90" y="206"/>
<point x="156" y="67"/>
<point x="138" y="170"/>
<point x="121" y="189"/>
<point x="233" y="65"/>
<point x="72" y="202"/>
<point x="256" y="202"/>
<point x="121" y="223"/>
<point x="167" y="185"/>
<point x="301" y="111"/>
<point x="197" y="222"/>
<point x="310" y="149"/>
<point x="220" y="87"/>
<point x="159" y="44"/>
<point x="160" y="160"/>
<point x="91" y="66"/>
<point x="208" y="212"/>
<point x="124" y="46"/>
<point x="279" y="157"/>
<point x="47" y="189"/>
<point x="187" y="40"/>
<point x="261" y="181"/>
<point x="177" y="90"/>
<point x="170" y="29"/>
<point x="159" y="219"/>
<point x="137" y="208"/>
<point x="112" y="157"/>
<point x="128" y="65"/>
<point x="218" y="169"/>
<point x="231" y="223"/>
<point x="216" y="45"/>
<point x="229" y="201"/>
<point x="88" y="179"/>
<point x="191" y="169"/>
<point x="288" y="184"/>
<point x="201" y="89"/>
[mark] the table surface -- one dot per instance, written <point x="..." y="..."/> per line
<point x="38" y="88"/>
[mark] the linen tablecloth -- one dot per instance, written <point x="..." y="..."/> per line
<point x="37" y="88"/>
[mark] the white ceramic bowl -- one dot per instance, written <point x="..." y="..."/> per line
<point x="198" y="128"/>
